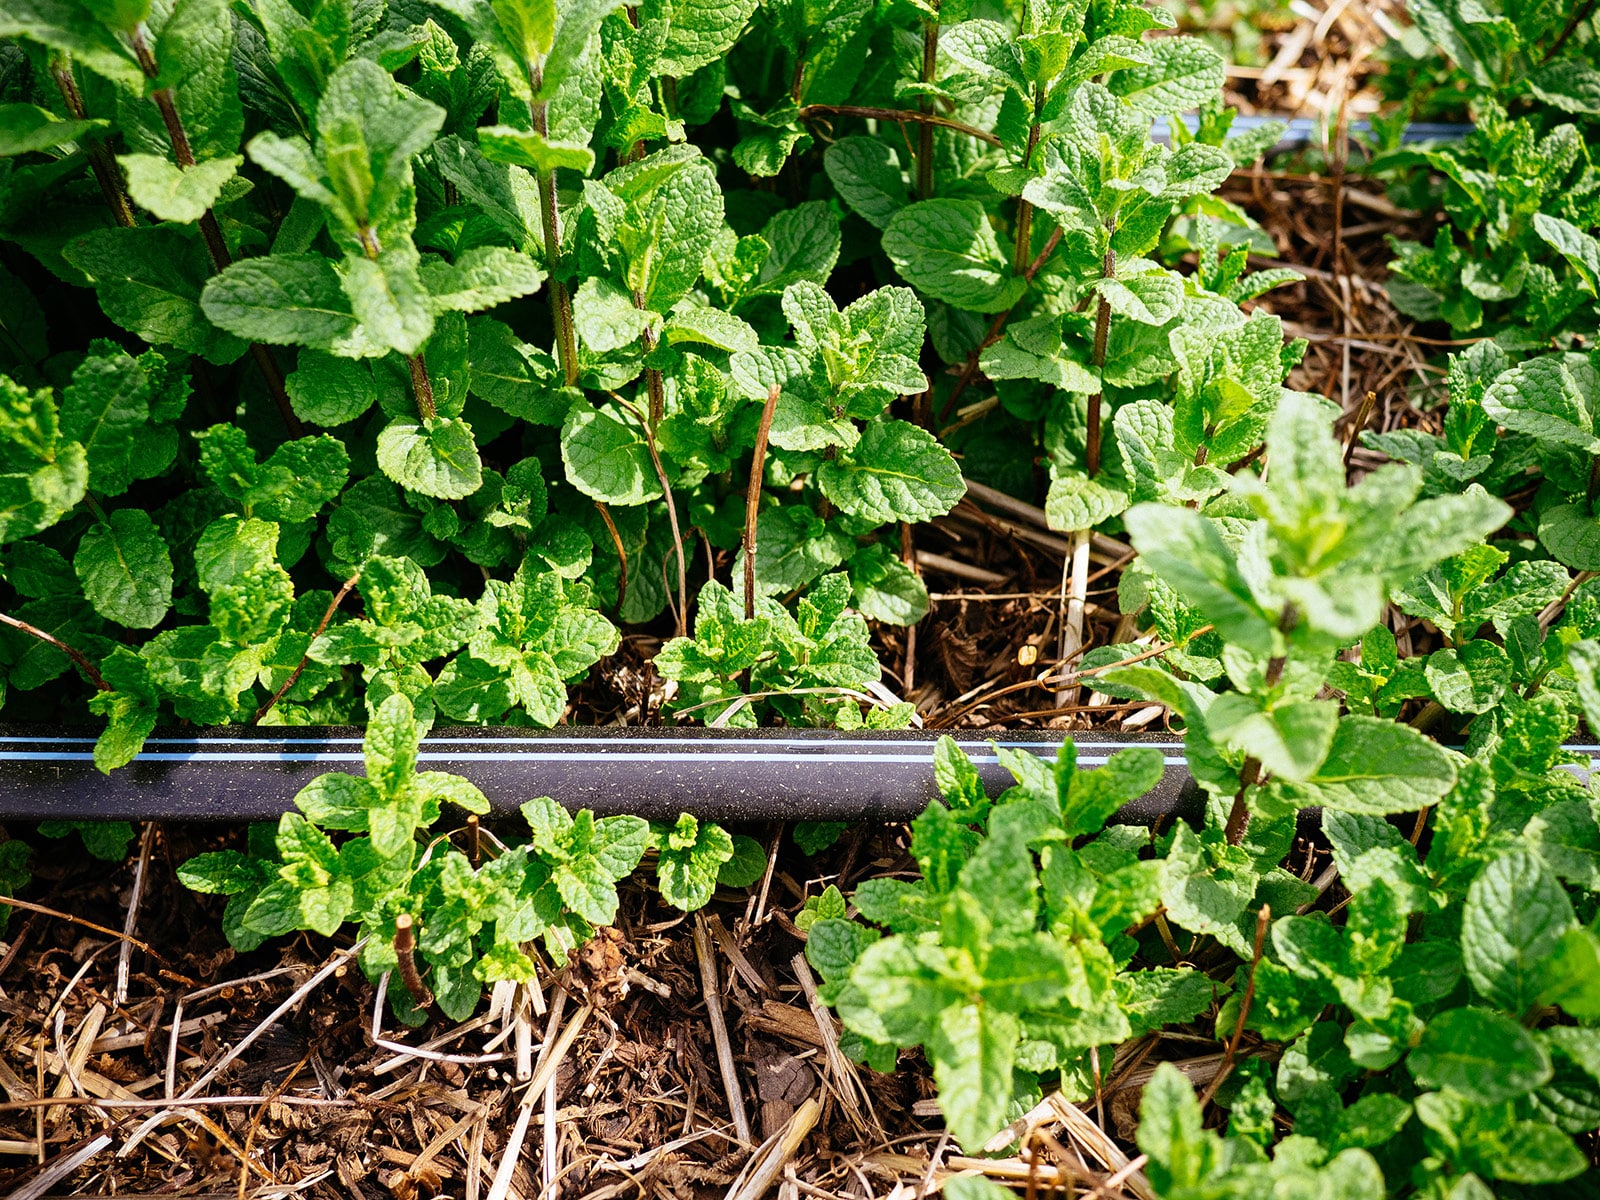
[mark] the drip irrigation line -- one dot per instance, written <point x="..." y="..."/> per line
<point x="237" y="774"/>
<point x="720" y="775"/>
<point x="1305" y="131"/>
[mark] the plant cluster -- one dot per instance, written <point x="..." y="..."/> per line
<point x="327" y="223"/>
<point x="470" y="916"/>
<point x="510" y="320"/>
<point x="1433" y="1033"/>
<point x="1514" y="256"/>
<point x="1542" y="59"/>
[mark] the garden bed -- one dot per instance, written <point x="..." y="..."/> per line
<point x="513" y="442"/>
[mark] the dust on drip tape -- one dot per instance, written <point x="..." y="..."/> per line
<point x="719" y="775"/>
<point x="1310" y="131"/>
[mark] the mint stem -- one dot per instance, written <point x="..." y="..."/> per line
<point x="1024" y="247"/>
<point x="294" y="676"/>
<point x="1102" y="335"/>
<point x="422" y="387"/>
<point x="84" y="665"/>
<point x="901" y="116"/>
<point x="405" y="950"/>
<point x="210" y="231"/>
<point x="1239" y="814"/>
<point x="930" y="63"/>
<point x="101" y="162"/>
<point x="550" y="220"/>
<point x="622" y="553"/>
<point x="752" y="499"/>
<point x="1579" y="16"/>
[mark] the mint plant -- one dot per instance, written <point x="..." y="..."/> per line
<point x="1002" y="960"/>
<point x="1518" y="254"/>
<point x="364" y="850"/>
<point x="1544" y="59"/>
<point x="366" y="206"/>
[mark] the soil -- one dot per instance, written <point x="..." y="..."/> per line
<point x="328" y="1098"/>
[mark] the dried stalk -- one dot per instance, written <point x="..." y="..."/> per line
<point x="672" y="506"/>
<point x="141" y="875"/>
<point x="719" y="1030"/>
<point x="1263" y="918"/>
<point x="405" y="950"/>
<point x="768" y="1162"/>
<point x="622" y="554"/>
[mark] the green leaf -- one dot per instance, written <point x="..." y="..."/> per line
<point x="947" y="250"/>
<point x="1473" y="679"/>
<point x="701" y="32"/>
<point x="1482" y="1055"/>
<point x="1077" y="502"/>
<point x="884" y="588"/>
<point x="527" y="148"/>
<point x="1182" y="1153"/>
<point x="691" y="858"/>
<point x="1547" y="399"/>
<point x="865" y="172"/>
<point x="896" y="472"/>
<point x="388" y="297"/>
<point x="481" y="278"/>
<point x="1515" y="916"/>
<point x="105" y="840"/>
<point x="512" y="375"/>
<point x="1573" y="244"/>
<point x="606" y="317"/>
<point x="105" y="407"/>
<point x="29" y="129"/>
<point x="973" y="1049"/>
<point x="803" y="244"/>
<point x="1182" y="73"/>
<point x="125" y="569"/>
<point x="222" y="872"/>
<point x="174" y="193"/>
<point x="606" y="459"/>
<point x="435" y="457"/>
<point x="748" y="864"/>
<point x="1376" y="766"/>
<point x="1094" y="796"/>
<point x="327" y="390"/>
<point x="1187" y="551"/>
<point x="1572" y="536"/>
<point x="63" y="26"/>
<point x="149" y="281"/>
<point x="281" y="300"/>
<point x="1569" y="84"/>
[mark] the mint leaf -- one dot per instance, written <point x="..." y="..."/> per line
<point x="947" y="250"/>
<point x="173" y="193"/>
<point x="435" y="457"/>
<point x="896" y="472"/>
<point x="691" y="858"/>
<point x="1480" y="1054"/>
<point x="1515" y="916"/>
<point x="126" y="570"/>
